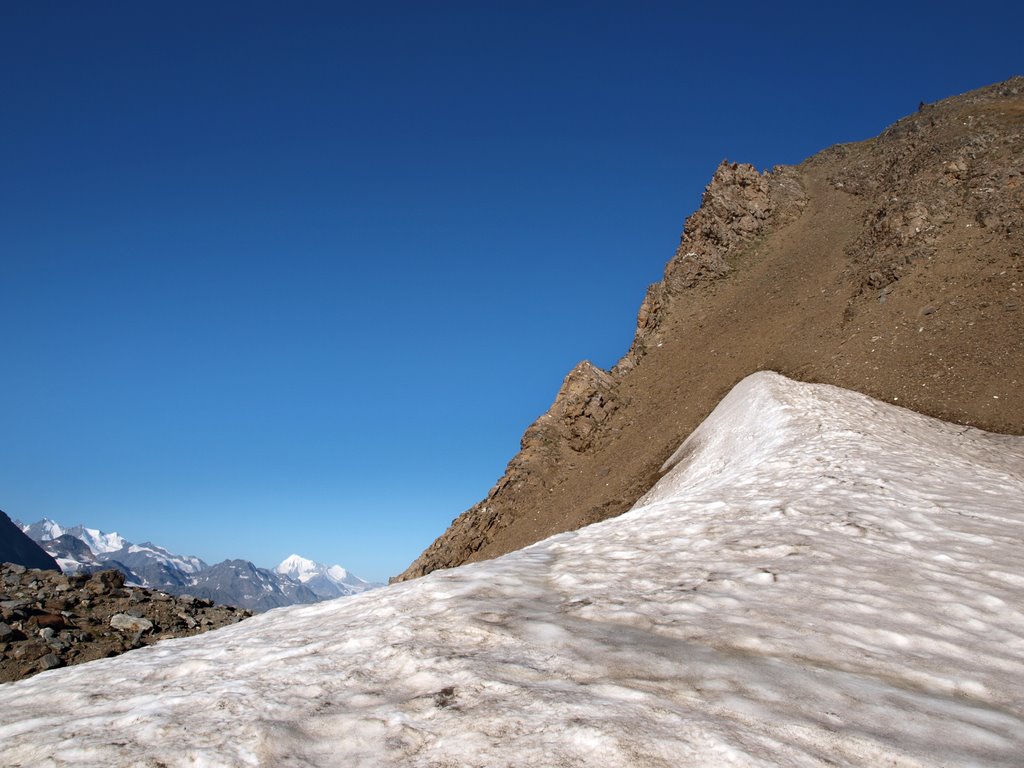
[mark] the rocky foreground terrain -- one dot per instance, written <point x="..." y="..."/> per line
<point x="49" y="620"/>
<point x="893" y="267"/>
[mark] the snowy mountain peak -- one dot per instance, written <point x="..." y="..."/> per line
<point x="298" y="567"/>
<point x="97" y="541"/>
<point x="44" y="530"/>
<point x="326" y="581"/>
<point x="338" y="573"/>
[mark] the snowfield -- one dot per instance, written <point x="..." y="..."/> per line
<point x="820" y="578"/>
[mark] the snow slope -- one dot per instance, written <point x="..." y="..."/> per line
<point x="821" y="578"/>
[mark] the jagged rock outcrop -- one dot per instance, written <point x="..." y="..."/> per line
<point x="585" y="401"/>
<point x="736" y="208"/>
<point x="893" y="266"/>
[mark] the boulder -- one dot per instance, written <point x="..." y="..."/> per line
<point x="126" y="623"/>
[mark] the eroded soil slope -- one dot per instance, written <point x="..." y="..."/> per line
<point x="893" y="267"/>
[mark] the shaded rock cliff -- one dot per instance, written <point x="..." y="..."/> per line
<point x="893" y="266"/>
<point x="16" y="547"/>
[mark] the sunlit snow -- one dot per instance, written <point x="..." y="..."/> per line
<point x="820" y="578"/>
<point x="99" y="542"/>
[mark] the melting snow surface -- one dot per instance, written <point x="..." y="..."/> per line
<point x="821" y="578"/>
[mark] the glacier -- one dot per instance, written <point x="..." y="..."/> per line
<point x="818" y="578"/>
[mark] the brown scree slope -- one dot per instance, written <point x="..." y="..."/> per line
<point x="894" y="267"/>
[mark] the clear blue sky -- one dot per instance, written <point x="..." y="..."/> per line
<point x="294" y="277"/>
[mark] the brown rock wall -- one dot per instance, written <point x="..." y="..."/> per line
<point x="893" y="266"/>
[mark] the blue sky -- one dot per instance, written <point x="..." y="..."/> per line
<point x="295" y="277"/>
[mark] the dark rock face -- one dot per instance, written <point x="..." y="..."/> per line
<point x="245" y="585"/>
<point x="16" y="547"/>
<point x="48" y="620"/>
<point x="893" y="267"/>
<point x="70" y="548"/>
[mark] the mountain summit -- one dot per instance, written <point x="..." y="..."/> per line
<point x="893" y="267"/>
<point x="325" y="581"/>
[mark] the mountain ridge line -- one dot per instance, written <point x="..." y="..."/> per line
<point x="892" y="266"/>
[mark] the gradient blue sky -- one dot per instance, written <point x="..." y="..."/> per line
<point x="294" y="277"/>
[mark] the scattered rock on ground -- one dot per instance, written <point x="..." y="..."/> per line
<point x="49" y="620"/>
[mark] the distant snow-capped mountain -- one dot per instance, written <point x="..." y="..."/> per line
<point x="326" y="581"/>
<point x="232" y="582"/>
<point x="72" y="555"/>
<point x="97" y="541"/>
<point x="258" y="589"/>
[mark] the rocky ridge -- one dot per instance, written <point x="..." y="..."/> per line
<point x="892" y="266"/>
<point x="49" y="620"/>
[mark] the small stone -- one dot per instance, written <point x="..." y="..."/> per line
<point x="876" y="280"/>
<point x="445" y="697"/>
<point x="929" y="310"/>
<point x="50" y="661"/>
<point x="6" y="632"/>
<point x="126" y="623"/>
<point x="51" y="621"/>
<point x="105" y="582"/>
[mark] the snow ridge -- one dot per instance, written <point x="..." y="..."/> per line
<point x="819" y="579"/>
